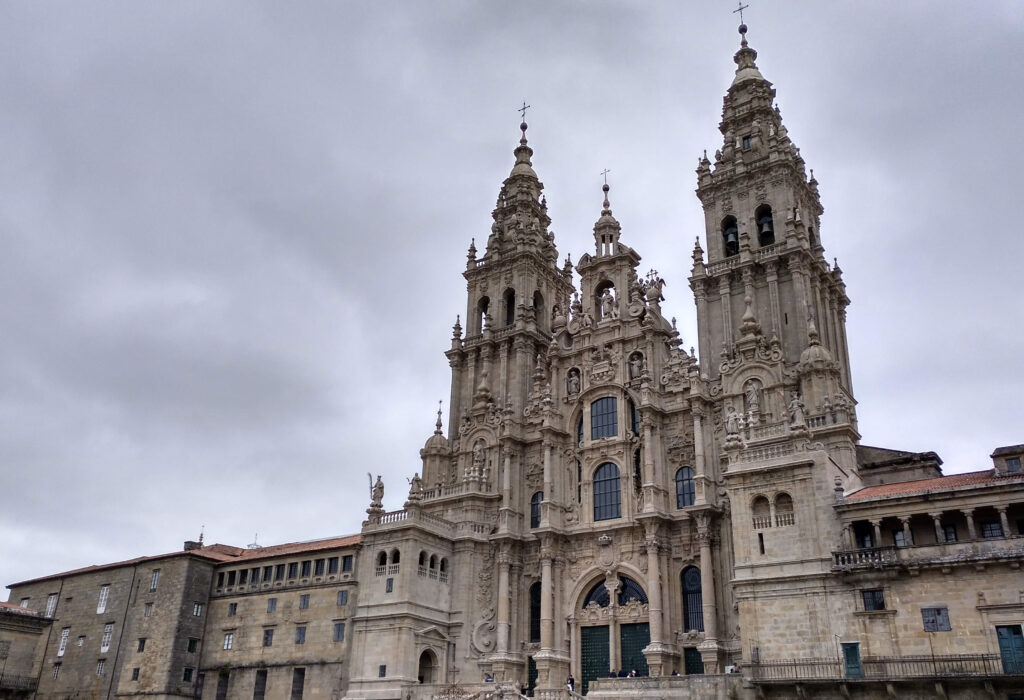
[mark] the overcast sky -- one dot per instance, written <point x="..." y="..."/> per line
<point x="232" y="234"/>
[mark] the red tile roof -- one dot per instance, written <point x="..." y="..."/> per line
<point x="218" y="553"/>
<point x="17" y="609"/>
<point x="942" y="483"/>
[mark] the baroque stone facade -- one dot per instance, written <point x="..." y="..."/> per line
<point x="604" y="501"/>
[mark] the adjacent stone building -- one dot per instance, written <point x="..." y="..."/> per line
<point x="606" y="500"/>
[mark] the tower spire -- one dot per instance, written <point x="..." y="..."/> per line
<point x="606" y="229"/>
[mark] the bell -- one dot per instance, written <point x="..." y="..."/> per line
<point x="766" y="226"/>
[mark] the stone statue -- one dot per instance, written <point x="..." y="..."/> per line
<point x="478" y="455"/>
<point x="377" y="493"/>
<point x="752" y="394"/>
<point x="415" y="487"/>
<point x="572" y="382"/>
<point x="732" y="421"/>
<point x="796" y="411"/>
<point x="636" y="365"/>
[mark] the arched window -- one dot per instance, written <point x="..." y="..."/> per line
<point x="765" y="225"/>
<point x="730" y="236"/>
<point x="535" y="612"/>
<point x="607" y="498"/>
<point x="510" y="306"/>
<point x="762" y="512"/>
<point x="423" y="559"/>
<point x="443" y="566"/>
<point x="784" y="510"/>
<point x="604" y="418"/>
<point x="427" y="671"/>
<point x="539" y="313"/>
<point x="685" y="491"/>
<point x="604" y="300"/>
<point x="433" y="561"/>
<point x="599" y="595"/>
<point x="481" y="310"/>
<point x="396" y="556"/>
<point x="535" y="508"/>
<point x="630" y="590"/>
<point x="693" y="600"/>
<point x="382" y="559"/>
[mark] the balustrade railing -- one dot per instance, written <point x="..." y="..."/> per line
<point x="784" y="519"/>
<point x="762" y="521"/>
<point x="11" y="681"/>
<point x="879" y="668"/>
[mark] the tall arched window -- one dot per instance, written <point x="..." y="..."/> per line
<point x="535" y="612"/>
<point x="396" y="556"/>
<point x="481" y="310"/>
<point x="604" y="418"/>
<point x="762" y="512"/>
<point x="730" y="236"/>
<point x="630" y="590"/>
<point x="382" y="559"/>
<point x="535" y="501"/>
<point x="685" y="491"/>
<point x="510" y="306"/>
<point x="765" y="225"/>
<point x="539" y="313"/>
<point x="784" y="510"/>
<point x="693" y="600"/>
<point x="607" y="498"/>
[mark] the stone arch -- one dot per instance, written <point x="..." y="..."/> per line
<point x="765" y="225"/>
<point x="482" y="308"/>
<point x="730" y="236"/>
<point x="427" y="669"/>
<point x="761" y="511"/>
<point x="540" y="313"/>
<point x="593" y="574"/>
<point x="382" y="559"/>
<point x="508" y="299"/>
<point x="606" y="300"/>
<point x="395" y="557"/>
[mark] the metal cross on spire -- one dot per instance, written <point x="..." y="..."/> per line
<point x="604" y="174"/>
<point x="740" y="9"/>
<point x="522" y="110"/>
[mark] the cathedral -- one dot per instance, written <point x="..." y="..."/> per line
<point x="609" y="513"/>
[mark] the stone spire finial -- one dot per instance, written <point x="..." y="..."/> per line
<point x="749" y="324"/>
<point x="606" y="229"/>
<point x="437" y="425"/>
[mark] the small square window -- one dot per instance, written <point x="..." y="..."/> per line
<point x="304" y="601"/>
<point x="186" y="676"/>
<point x="746" y="143"/>
<point x="346" y="562"/>
<point x="192" y="646"/>
<point x="935" y="619"/>
<point x="135" y="673"/>
<point x="342" y="597"/>
<point x="268" y="638"/>
<point x="899" y="538"/>
<point x="874" y="599"/>
<point x="389" y="586"/>
<point x="1013" y="465"/>
<point x="232" y="609"/>
<point x="949" y="532"/>
<point x="382" y="671"/>
<point x="339" y="631"/>
<point x="991" y="529"/>
<point x="271" y="604"/>
<point x="81" y="640"/>
<point x="300" y="635"/>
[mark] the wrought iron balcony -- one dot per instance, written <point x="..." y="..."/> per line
<point x="10" y="681"/>
<point x="880" y="668"/>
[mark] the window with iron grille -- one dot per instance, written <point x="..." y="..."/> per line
<point x="874" y="599"/>
<point x="607" y="496"/>
<point x="604" y="419"/>
<point x="935" y="619"/>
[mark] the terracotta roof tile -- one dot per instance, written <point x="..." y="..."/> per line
<point x="218" y="553"/>
<point x="942" y="483"/>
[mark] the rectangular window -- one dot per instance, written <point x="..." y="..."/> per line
<point x="64" y="634"/>
<point x="154" y="580"/>
<point x="56" y="670"/>
<point x="604" y="418"/>
<point x="231" y="578"/>
<point x="229" y="640"/>
<point x="935" y="619"/>
<point x="865" y="540"/>
<point x="268" y="573"/>
<point x="142" y="645"/>
<point x="223" y="679"/>
<point x="220" y="580"/>
<point x="304" y="601"/>
<point x="293" y="569"/>
<point x="81" y="641"/>
<point x="101" y="666"/>
<point x="108" y="632"/>
<point x="949" y="532"/>
<point x="147" y="610"/>
<point x="24" y="602"/>
<point x="268" y="638"/>
<point x="746" y="143"/>
<point x="298" y="681"/>
<point x="259" y="690"/>
<point x="271" y="604"/>
<point x="243" y="577"/>
<point x="254" y="575"/>
<point x="186" y="676"/>
<point x="332" y="565"/>
<point x="382" y="671"/>
<point x="318" y="567"/>
<point x="342" y="597"/>
<point x="197" y="610"/>
<point x="101" y="604"/>
<point x="135" y="673"/>
<point x="874" y="599"/>
<point x="389" y="585"/>
<point x="899" y="538"/>
<point x="346" y="562"/>
<point x="232" y="609"/>
<point x="1013" y="465"/>
<point x="300" y="635"/>
<point x="51" y="604"/>
<point x="192" y="646"/>
<point x="279" y="572"/>
<point x="991" y="528"/>
<point x="307" y="568"/>
<point x="339" y="631"/>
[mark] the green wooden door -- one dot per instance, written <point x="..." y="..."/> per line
<point x="531" y="676"/>
<point x="692" y="662"/>
<point x="851" y="660"/>
<point x="633" y="638"/>
<point x="1011" y="648"/>
<point x="594" y="661"/>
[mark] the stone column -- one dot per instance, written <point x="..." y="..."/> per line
<point x="709" y="647"/>
<point x="848" y="537"/>
<point x="877" y="524"/>
<point x="1003" y="520"/>
<point x="699" y="466"/>
<point x="724" y="294"/>
<point x="655" y="650"/>
<point x="908" y="537"/>
<point x="504" y="561"/>
<point x="547" y="483"/>
<point x="546" y="602"/>
<point x="940" y="536"/>
<point x="971" y="532"/>
<point x="771" y="269"/>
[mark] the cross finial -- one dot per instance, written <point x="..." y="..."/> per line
<point x="604" y="174"/>
<point x="522" y="110"/>
<point x="740" y="9"/>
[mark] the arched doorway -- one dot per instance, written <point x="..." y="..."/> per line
<point x="427" y="672"/>
<point x="613" y="630"/>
